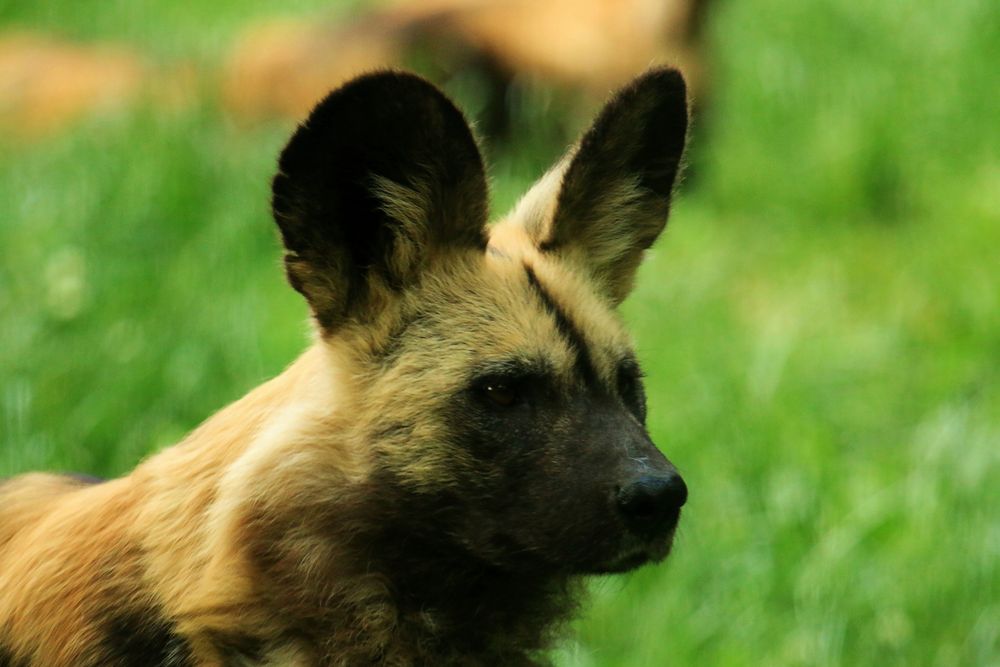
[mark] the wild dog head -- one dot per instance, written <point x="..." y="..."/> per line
<point x="489" y="372"/>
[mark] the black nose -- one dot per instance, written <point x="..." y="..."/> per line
<point x="652" y="502"/>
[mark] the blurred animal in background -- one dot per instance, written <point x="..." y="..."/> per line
<point x="499" y="50"/>
<point x="430" y="482"/>
<point x="576" y="46"/>
<point x="46" y="83"/>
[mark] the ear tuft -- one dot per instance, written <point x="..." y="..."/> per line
<point x="383" y="174"/>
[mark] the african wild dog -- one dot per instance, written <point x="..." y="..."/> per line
<point x="428" y="482"/>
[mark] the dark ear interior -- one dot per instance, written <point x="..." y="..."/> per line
<point x="384" y="172"/>
<point x="615" y="193"/>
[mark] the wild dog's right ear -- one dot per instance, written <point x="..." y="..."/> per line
<point x="608" y="200"/>
<point x="384" y="174"/>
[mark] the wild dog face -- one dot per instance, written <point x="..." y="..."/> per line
<point x="487" y="365"/>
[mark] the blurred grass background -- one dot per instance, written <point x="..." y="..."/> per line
<point x="820" y="324"/>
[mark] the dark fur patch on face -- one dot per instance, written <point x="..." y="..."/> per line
<point x="239" y="649"/>
<point x="143" y="639"/>
<point x="540" y="497"/>
<point x="575" y="339"/>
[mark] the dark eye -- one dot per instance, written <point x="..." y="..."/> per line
<point x="500" y="393"/>
<point x="626" y="383"/>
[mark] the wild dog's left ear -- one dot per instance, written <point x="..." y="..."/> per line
<point x="384" y="176"/>
<point x="616" y="188"/>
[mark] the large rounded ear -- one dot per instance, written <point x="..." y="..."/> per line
<point x="383" y="175"/>
<point x="608" y="200"/>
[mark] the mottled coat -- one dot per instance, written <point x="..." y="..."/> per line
<point x="428" y="483"/>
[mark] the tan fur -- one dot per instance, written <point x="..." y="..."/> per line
<point x="250" y="526"/>
<point x="176" y="521"/>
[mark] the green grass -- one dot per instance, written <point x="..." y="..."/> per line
<point x="187" y="30"/>
<point x="820" y="324"/>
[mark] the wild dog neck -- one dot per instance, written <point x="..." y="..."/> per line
<point x="451" y="596"/>
<point x="363" y="551"/>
